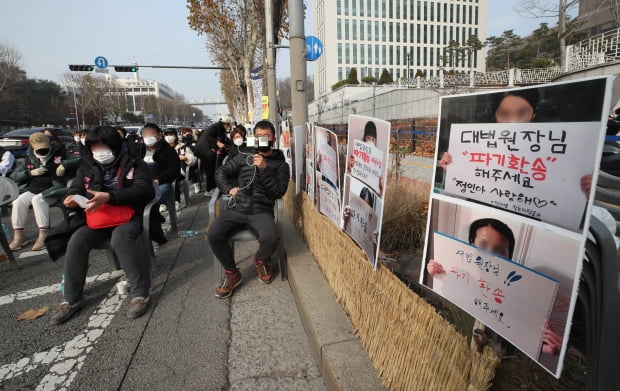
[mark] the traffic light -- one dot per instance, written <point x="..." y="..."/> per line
<point x="131" y="68"/>
<point x="83" y="68"/>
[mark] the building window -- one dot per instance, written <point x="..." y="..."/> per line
<point x="397" y="32"/>
<point x="383" y="32"/>
<point x="346" y="7"/>
<point x="419" y="10"/>
<point x="411" y="37"/>
<point x="361" y="7"/>
<point x="469" y="14"/>
<point x="451" y="13"/>
<point x="376" y="8"/>
<point x="425" y="35"/>
<point x="404" y="9"/>
<point x="362" y="54"/>
<point x="476" y="18"/>
<point x="397" y="55"/>
<point x="445" y="12"/>
<point x="376" y="54"/>
<point x="391" y="5"/>
<point x="338" y="7"/>
<point x="391" y="32"/>
<point x="445" y="35"/>
<point x="391" y="62"/>
<point x="418" y="55"/>
<point x="383" y="8"/>
<point x="369" y="54"/>
<point x="347" y="53"/>
<point x="339" y="28"/>
<point x="354" y="7"/>
<point x="425" y="10"/>
<point x="432" y="12"/>
<point x="419" y="33"/>
<point x="354" y="53"/>
<point x="339" y="53"/>
<point x="432" y="34"/>
<point x="384" y="55"/>
<point x="458" y="13"/>
<point x="339" y="73"/>
<point x="369" y="31"/>
<point x="361" y="30"/>
<point x="354" y="23"/>
<point x="397" y="9"/>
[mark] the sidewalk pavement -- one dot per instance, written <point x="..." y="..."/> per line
<point x="289" y="335"/>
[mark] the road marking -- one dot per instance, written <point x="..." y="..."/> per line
<point x="44" y="290"/>
<point x="67" y="359"/>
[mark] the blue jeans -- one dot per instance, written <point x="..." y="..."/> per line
<point x="166" y="190"/>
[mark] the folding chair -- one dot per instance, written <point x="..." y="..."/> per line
<point x="218" y="202"/>
<point x="9" y="191"/>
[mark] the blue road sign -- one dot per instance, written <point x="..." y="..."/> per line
<point x="314" y="48"/>
<point x="101" y="62"/>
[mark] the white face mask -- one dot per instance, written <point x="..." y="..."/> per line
<point x="170" y="139"/>
<point x="76" y="139"/>
<point x="103" y="156"/>
<point x="83" y="140"/>
<point x="238" y="142"/>
<point x="150" y="141"/>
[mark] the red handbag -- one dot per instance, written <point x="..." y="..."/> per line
<point x="107" y="216"/>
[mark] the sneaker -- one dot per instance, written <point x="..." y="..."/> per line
<point x="163" y="208"/>
<point x="65" y="311"/>
<point x="196" y="188"/>
<point x="137" y="307"/>
<point x="209" y="193"/>
<point x="177" y="205"/>
<point x="229" y="283"/>
<point x="264" y="272"/>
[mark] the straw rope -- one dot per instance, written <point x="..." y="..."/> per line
<point x="410" y="344"/>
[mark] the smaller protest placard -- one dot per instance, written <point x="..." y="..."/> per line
<point x="368" y="165"/>
<point x="329" y="199"/>
<point x="496" y="291"/>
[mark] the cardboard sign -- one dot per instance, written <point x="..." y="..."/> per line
<point x="329" y="199"/>
<point x="362" y="225"/>
<point x="530" y="169"/>
<point x="491" y="289"/>
<point x="368" y="164"/>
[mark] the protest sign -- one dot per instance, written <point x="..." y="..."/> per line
<point x="514" y="176"/>
<point x="488" y="287"/>
<point x="368" y="164"/>
<point x="527" y="169"/>
<point x="309" y="166"/>
<point x="329" y="199"/>
<point x="297" y="152"/>
<point x="327" y="153"/>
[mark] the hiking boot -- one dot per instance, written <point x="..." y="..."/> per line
<point x="229" y="283"/>
<point x="18" y="240"/>
<point x="65" y="311"/>
<point x="137" y="307"/>
<point x="264" y="272"/>
<point x="39" y="244"/>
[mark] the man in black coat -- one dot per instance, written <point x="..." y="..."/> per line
<point x="212" y="147"/>
<point x="254" y="182"/>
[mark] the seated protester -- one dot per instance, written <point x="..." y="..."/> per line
<point x="162" y="159"/>
<point x="189" y="140"/>
<point x="76" y="147"/>
<point x="255" y="182"/>
<point x="186" y="156"/>
<point x="7" y="161"/>
<point x="110" y="178"/>
<point x="237" y="136"/>
<point x="43" y="181"/>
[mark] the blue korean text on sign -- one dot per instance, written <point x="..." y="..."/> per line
<point x="101" y="62"/>
<point x="314" y="48"/>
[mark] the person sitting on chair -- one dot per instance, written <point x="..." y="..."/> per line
<point x="254" y="182"/>
<point x="110" y="178"/>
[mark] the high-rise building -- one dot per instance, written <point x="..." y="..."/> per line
<point x="406" y="37"/>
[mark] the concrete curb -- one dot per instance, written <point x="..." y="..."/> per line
<point x="342" y="359"/>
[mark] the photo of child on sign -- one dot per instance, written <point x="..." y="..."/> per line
<point x="512" y="149"/>
<point x="544" y="257"/>
<point x="364" y="182"/>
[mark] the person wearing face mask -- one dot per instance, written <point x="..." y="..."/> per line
<point x="42" y="176"/>
<point x="212" y="147"/>
<point x="193" y="171"/>
<point x="237" y="136"/>
<point x="255" y="182"/>
<point x="76" y="147"/>
<point x="187" y="158"/>
<point x="162" y="159"/>
<point x="107" y="176"/>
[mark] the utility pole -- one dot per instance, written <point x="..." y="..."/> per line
<point x="270" y="66"/>
<point x="299" y="95"/>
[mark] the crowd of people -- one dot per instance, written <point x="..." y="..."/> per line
<point x="104" y="178"/>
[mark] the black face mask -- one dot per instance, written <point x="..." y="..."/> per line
<point x="267" y="148"/>
<point x="42" y="151"/>
<point x="188" y="139"/>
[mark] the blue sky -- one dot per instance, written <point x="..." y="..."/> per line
<point x="52" y="34"/>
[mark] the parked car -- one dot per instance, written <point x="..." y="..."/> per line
<point x="16" y="140"/>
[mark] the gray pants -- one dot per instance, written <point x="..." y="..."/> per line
<point x="131" y="256"/>
<point x="262" y="225"/>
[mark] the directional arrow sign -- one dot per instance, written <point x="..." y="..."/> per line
<point x="314" y="48"/>
<point x="101" y="62"/>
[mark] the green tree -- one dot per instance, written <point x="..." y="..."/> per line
<point x="353" y="77"/>
<point x="511" y="41"/>
<point x="420" y="73"/>
<point x="472" y="46"/>
<point x="369" y="79"/>
<point x="386" y="77"/>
